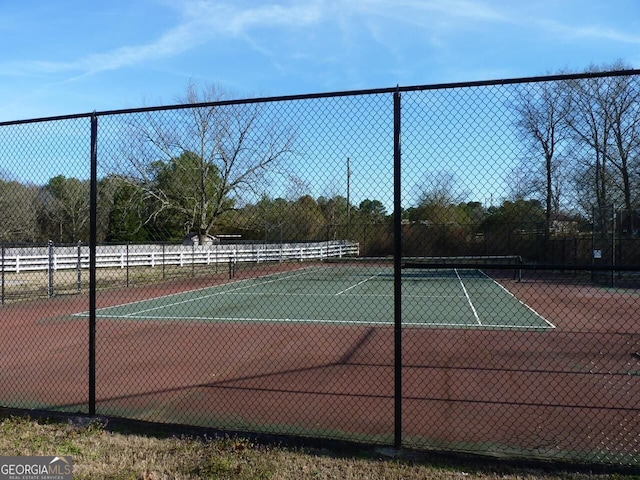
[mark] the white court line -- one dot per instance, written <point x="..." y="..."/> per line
<point x="169" y="305"/>
<point x="317" y="321"/>
<point x="236" y="291"/>
<point x="464" y="289"/>
<point x="519" y="301"/>
<point x="356" y="295"/>
<point x="210" y="287"/>
<point x="261" y="320"/>
<point x="359" y="283"/>
<point x="274" y="277"/>
<point x="391" y="295"/>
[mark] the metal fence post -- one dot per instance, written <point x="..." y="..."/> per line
<point x="93" y="226"/>
<point x="397" y="270"/>
<point x="50" y="270"/>
<point x="2" y="280"/>
<point x="79" y="265"/>
<point x="163" y="261"/>
<point x="613" y="244"/>
<point x="127" y="263"/>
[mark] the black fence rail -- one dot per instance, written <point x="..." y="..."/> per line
<point x="449" y="267"/>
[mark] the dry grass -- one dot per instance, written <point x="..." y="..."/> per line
<point x="104" y="453"/>
<point x="32" y="285"/>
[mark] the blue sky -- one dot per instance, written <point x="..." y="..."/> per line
<point x="73" y="56"/>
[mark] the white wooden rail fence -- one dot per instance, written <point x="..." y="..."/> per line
<point x="127" y="256"/>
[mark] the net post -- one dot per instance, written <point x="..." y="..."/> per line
<point x="230" y="268"/>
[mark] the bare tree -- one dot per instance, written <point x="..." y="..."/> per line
<point x="19" y="205"/>
<point x="520" y="182"/>
<point x="198" y="162"/>
<point x="542" y="110"/>
<point x="605" y="123"/>
<point x="623" y="115"/>
<point x="439" y="188"/>
<point x="66" y="209"/>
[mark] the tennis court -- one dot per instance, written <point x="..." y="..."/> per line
<point x="349" y="294"/>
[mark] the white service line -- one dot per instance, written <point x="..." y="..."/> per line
<point x="215" y="294"/>
<point x="464" y="289"/>
<point x="504" y="289"/>
<point x="359" y="283"/>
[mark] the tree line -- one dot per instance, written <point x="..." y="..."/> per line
<point x="59" y="211"/>
<point x="583" y="138"/>
<point x="202" y="171"/>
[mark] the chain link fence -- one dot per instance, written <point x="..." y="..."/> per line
<point x="445" y="267"/>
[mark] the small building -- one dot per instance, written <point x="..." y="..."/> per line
<point x="562" y="224"/>
<point x="628" y="222"/>
<point x="193" y="238"/>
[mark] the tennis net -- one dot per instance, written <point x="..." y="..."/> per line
<point x="435" y="267"/>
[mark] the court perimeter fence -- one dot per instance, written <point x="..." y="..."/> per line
<point x="411" y="198"/>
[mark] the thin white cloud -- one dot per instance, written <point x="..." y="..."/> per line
<point x="174" y="42"/>
<point x="272" y="16"/>
<point x="169" y="44"/>
<point x="203" y="21"/>
<point x="478" y="11"/>
<point x="422" y="10"/>
<point x="591" y="32"/>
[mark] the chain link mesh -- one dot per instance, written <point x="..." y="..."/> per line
<point x="245" y="274"/>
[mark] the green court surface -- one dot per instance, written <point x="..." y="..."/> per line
<point x="345" y="295"/>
